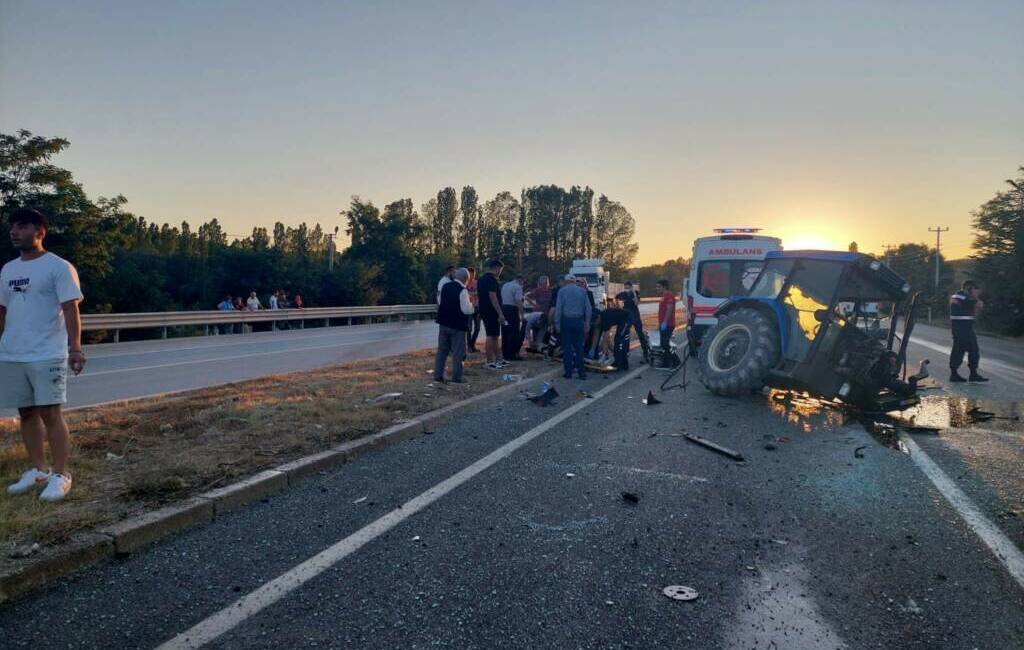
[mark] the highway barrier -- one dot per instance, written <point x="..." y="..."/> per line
<point x="114" y="323"/>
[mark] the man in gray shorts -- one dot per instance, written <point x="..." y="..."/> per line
<point x="40" y="337"/>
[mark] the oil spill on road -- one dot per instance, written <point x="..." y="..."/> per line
<point x="957" y="412"/>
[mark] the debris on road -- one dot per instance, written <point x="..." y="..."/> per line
<point x="704" y="442"/>
<point x="585" y="394"/>
<point x="359" y="500"/>
<point x="384" y="397"/>
<point x="770" y="447"/>
<point x="859" y="451"/>
<point x="630" y="497"/>
<point x="546" y="396"/>
<point x="24" y="551"/>
<point x="680" y="592"/>
<point x="416" y="538"/>
<point x="650" y="400"/>
<point x="570" y="475"/>
<point x="512" y="378"/>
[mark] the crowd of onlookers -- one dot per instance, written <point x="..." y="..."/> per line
<point x="277" y="300"/>
<point x="561" y="319"/>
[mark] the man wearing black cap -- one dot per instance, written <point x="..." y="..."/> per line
<point x="40" y="336"/>
<point x="963" y="307"/>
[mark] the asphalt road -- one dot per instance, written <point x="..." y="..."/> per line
<point x="144" y="368"/>
<point x="507" y="529"/>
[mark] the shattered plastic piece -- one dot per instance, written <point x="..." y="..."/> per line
<point x="650" y="400"/>
<point x="385" y="397"/>
<point x="359" y="500"/>
<point x="680" y="592"/>
<point x="570" y="475"/>
<point x="547" y="396"/>
<point x="111" y="456"/>
<point x="585" y="393"/>
<point x="858" y="452"/>
<point x="512" y="378"/>
<point x="416" y="539"/>
<point x="25" y="551"/>
<point x="704" y="442"/>
<point x="630" y="497"/>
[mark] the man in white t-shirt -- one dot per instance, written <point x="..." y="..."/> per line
<point x="449" y="273"/>
<point x="40" y="337"/>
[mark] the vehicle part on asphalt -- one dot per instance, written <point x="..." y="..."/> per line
<point x="704" y="442"/>
<point x="812" y="322"/>
<point x="650" y="400"/>
<point x="385" y="397"/>
<point x="546" y="397"/>
<point x="680" y="592"/>
<point x="859" y="451"/>
<point x="585" y="393"/>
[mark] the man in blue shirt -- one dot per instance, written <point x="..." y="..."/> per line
<point x="572" y="322"/>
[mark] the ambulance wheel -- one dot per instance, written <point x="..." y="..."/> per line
<point x="737" y="353"/>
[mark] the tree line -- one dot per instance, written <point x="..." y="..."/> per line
<point x="395" y="254"/>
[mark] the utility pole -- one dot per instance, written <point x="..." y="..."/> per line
<point x="888" y="252"/>
<point x="938" y="230"/>
<point x="330" y="249"/>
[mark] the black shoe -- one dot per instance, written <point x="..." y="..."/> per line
<point x="976" y="377"/>
<point x="955" y="377"/>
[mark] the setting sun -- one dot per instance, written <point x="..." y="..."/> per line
<point x="811" y="241"/>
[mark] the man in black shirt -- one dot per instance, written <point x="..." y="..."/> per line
<point x="607" y="319"/>
<point x="630" y="300"/>
<point x="490" y="312"/>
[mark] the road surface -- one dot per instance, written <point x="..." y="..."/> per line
<point x="507" y="528"/>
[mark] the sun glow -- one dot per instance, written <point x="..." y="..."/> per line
<point x="810" y="241"/>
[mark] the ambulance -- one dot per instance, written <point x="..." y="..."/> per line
<point x="723" y="265"/>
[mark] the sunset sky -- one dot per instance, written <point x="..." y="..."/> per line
<point x="823" y="122"/>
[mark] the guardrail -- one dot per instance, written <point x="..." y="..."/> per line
<point x="163" y="320"/>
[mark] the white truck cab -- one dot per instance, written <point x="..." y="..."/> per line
<point x="722" y="265"/>
<point x="592" y="270"/>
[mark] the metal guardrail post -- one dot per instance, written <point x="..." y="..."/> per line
<point x="163" y="332"/>
<point x="117" y="336"/>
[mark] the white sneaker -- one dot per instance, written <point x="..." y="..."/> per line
<point x="30" y="479"/>
<point x="56" y="488"/>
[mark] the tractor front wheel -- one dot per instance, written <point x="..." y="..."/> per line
<point x="738" y="352"/>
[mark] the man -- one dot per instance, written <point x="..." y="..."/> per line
<point x="40" y="336"/>
<point x="610" y="317"/>
<point x="964" y="305"/>
<point x="666" y="315"/>
<point x="572" y="323"/>
<point x="253" y="303"/>
<point x="225" y="305"/>
<point x="449" y="273"/>
<point x="630" y="301"/>
<point x="537" y="320"/>
<point x="453" y="313"/>
<point x="491" y="313"/>
<point x="474" y="299"/>
<point x="512" y="309"/>
<point x="274" y="300"/>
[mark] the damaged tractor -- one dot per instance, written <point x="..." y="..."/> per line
<point x="819" y="322"/>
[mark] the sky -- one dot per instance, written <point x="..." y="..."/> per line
<point x="821" y="122"/>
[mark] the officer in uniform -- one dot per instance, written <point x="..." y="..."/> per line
<point x="963" y="307"/>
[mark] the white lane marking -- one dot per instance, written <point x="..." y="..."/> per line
<point x="998" y="368"/>
<point x="1000" y="545"/>
<point x="252" y="339"/>
<point x="235" y="358"/>
<point x="273" y="591"/>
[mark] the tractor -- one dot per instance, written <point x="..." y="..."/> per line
<point x="820" y="322"/>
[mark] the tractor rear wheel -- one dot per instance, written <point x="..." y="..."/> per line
<point x="738" y="352"/>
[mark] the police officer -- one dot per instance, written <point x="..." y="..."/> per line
<point x="964" y="305"/>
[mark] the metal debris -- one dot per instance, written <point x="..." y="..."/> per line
<point x="680" y="592"/>
<point x="859" y="451"/>
<point x="570" y="475"/>
<point x="650" y="400"/>
<point x="359" y="500"/>
<point x="385" y="397"/>
<point x="585" y="394"/>
<point x="704" y="442"/>
<point x="545" y="397"/>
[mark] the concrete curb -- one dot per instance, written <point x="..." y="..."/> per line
<point x="125" y="537"/>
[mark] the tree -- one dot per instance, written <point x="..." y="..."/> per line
<point x="444" y="222"/>
<point x="469" y="228"/>
<point x="853" y="248"/>
<point x="614" y="229"/>
<point x="999" y="257"/>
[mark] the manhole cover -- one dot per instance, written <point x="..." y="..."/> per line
<point x="679" y="592"/>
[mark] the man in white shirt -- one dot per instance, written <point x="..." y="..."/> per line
<point x="40" y="337"/>
<point x="512" y="309"/>
<point x="253" y="303"/>
<point x="449" y="274"/>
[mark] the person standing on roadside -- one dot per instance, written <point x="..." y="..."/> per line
<point x="630" y="300"/>
<point x="964" y="306"/>
<point x="512" y="309"/>
<point x="298" y="302"/>
<point x="572" y="323"/>
<point x="666" y="315"/>
<point x="453" y="314"/>
<point x="225" y="305"/>
<point x="474" y="299"/>
<point x="40" y="338"/>
<point x="253" y="303"/>
<point x="491" y="313"/>
<point x="449" y="273"/>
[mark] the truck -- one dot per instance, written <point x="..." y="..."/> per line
<point x="722" y="266"/>
<point x="598" y="280"/>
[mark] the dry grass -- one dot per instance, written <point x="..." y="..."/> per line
<point x="144" y="454"/>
